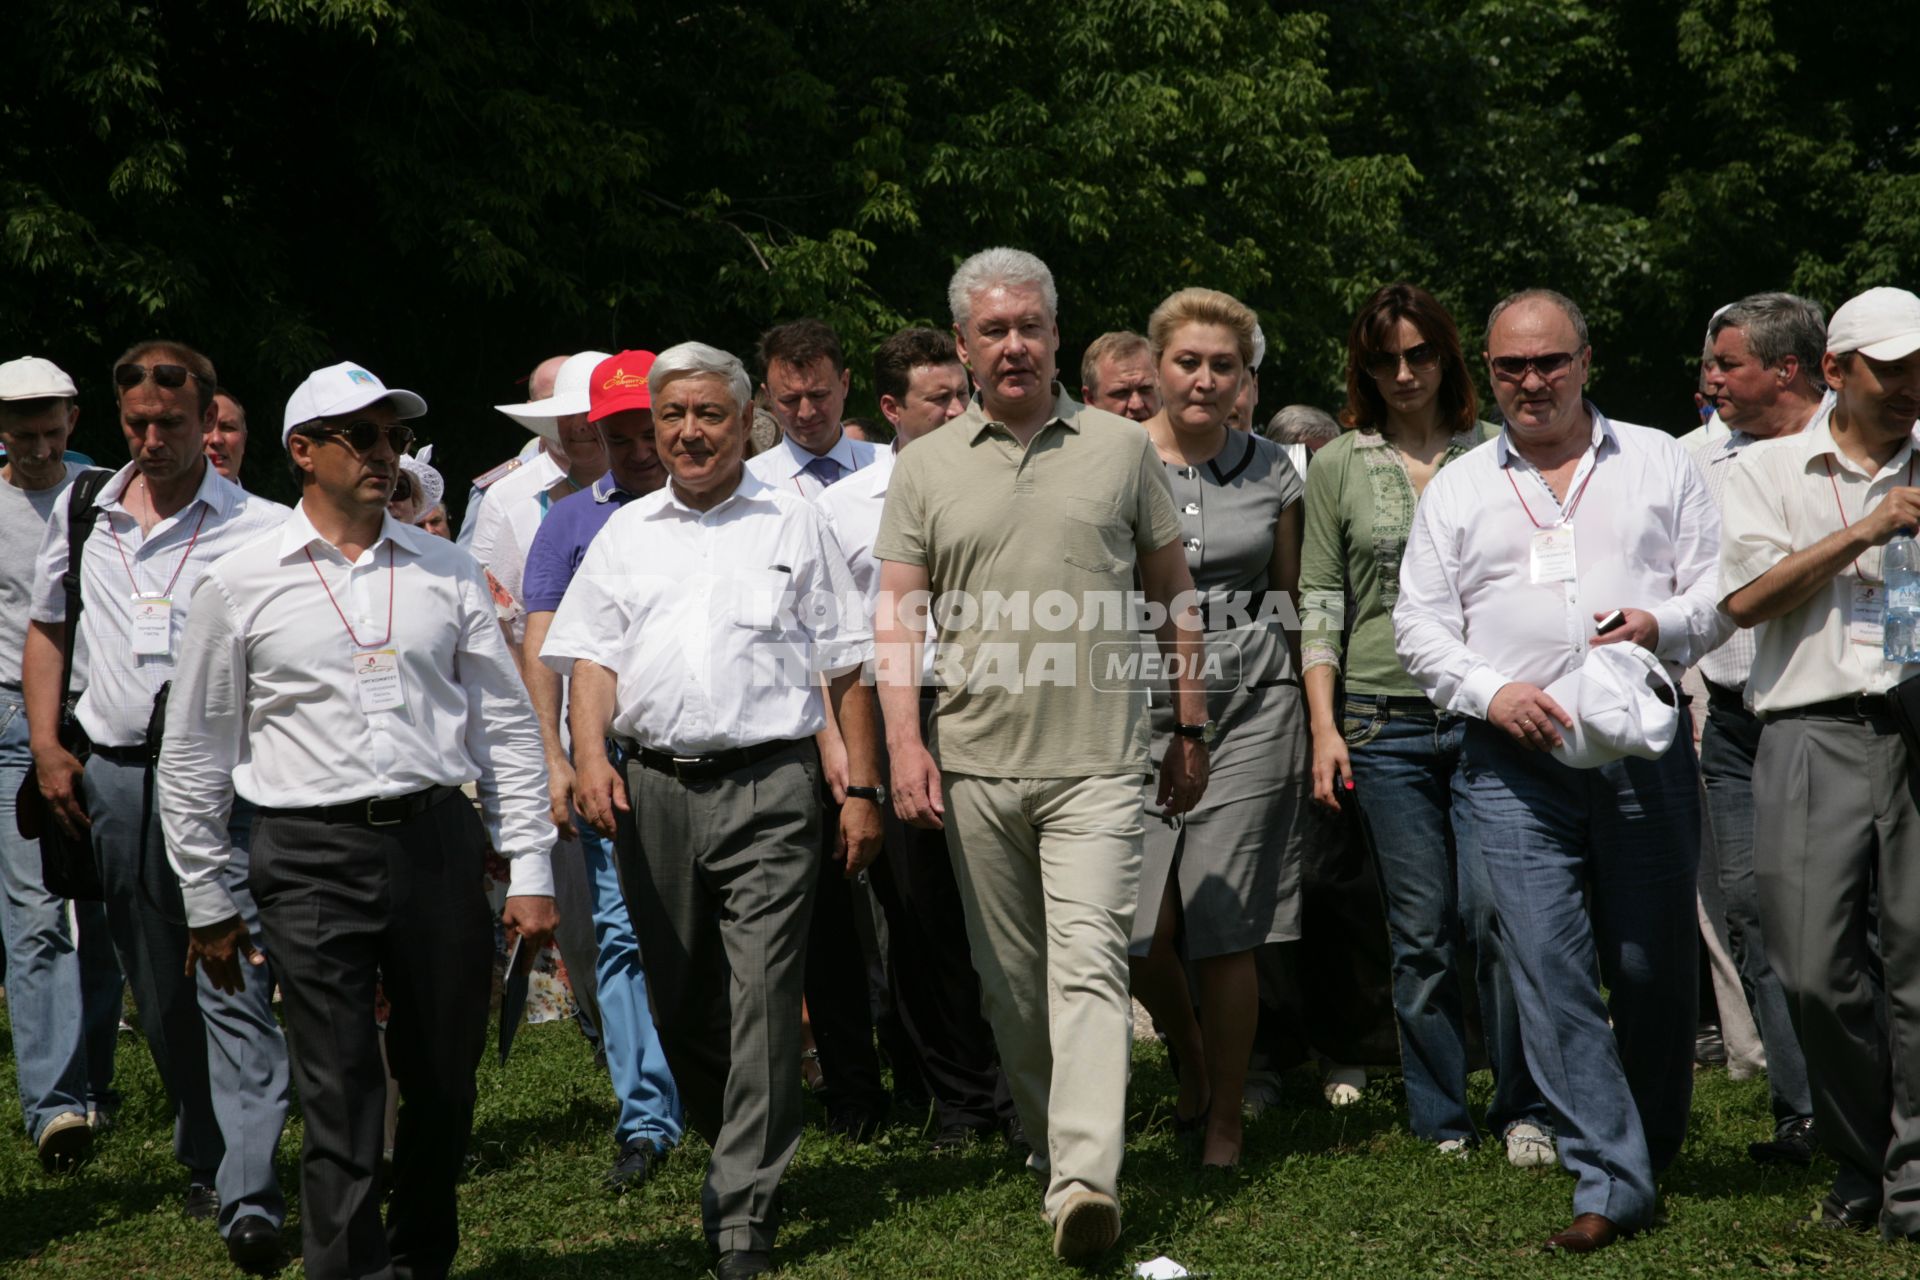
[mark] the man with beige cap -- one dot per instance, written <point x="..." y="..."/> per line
<point x="1807" y="517"/>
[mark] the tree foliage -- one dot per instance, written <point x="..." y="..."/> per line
<point x="450" y="190"/>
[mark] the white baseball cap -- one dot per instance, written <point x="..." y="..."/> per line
<point x="342" y="388"/>
<point x="1622" y="702"/>
<point x="570" y="387"/>
<point x="1881" y="324"/>
<point x="32" y="378"/>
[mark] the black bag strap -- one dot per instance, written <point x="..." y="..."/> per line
<point x="82" y="507"/>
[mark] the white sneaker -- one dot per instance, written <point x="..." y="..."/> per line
<point x="65" y="1143"/>
<point x="1344" y="1085"/>
<point x="1458" y="1148"/>
<point x="1530" y="1147"/>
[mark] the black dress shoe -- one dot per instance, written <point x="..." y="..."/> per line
<point x="638" y="1159"/>
<point x="1836" y="1214"/>
<point x="738" y="1264"/>
<point x="254" y="1245"/>
<point x="202" y="1203"/>
<point x="956" y="1137"/>
<point x="1793" y="1143"/>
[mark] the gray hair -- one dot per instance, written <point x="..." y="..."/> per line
<point x="1559" y="300"/>
<point x="1302" y="424"/>
<point x="999" y="267"/>
<point x="1778" y="325"/>
<point x="691" y="359"/>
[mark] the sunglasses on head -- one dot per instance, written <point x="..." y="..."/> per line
<point x="128" y="376"/>
<point x="362" y="435"/>
<point x="1386" y="364"/>
<point x="1514" y="368"/>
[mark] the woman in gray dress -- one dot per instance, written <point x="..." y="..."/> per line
<point x="1229" y="871"/>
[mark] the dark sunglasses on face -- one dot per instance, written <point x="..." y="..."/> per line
<point x="361" y="436"/>
<point x="1514" y="368"/>
<point x="1386" y="364"/>
<point x="402" y="488"/>
<point x="128" y="376"/>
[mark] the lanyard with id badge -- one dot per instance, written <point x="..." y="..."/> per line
<point x="152" y="635"/>
<point x="1550" y="550"/>
<point x="376" y="664"/>
<point x="1867" y="605"/>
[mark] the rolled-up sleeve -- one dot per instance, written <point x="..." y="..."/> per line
<point x="205" y="731"/>
<point x="1429" y="625"/>
<point x="1692" y="624"/>
<point x="503" y="738"/>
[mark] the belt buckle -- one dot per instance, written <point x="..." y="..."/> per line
<point x="689" y="761"/>
<point x="397" y="801"/>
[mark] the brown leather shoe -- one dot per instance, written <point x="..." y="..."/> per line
<point x="1588" y="1232"/>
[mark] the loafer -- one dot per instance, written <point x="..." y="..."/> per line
<point x="1088" y="1226"/>
<point x="639" y="1157"/>
<point x="1792" y="1143"/>
<point x="202" y="1203"/>
<point x="739" y="1264"/>
<point x="253" y="1243"/>
<point x="65" y="1143"/>
<point x="1586" y="1234"/>
<point x="1862" y="1216"/>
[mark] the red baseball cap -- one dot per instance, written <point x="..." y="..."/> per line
<point x="619" y="383"/>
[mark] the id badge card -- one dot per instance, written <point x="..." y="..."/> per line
<point x="376" y="674"/>
<point x="1867" y="616"/>
<point x="1551" y="555"/>
<point x="152" y="626"/>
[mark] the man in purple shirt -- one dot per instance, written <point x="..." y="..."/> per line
<point x="649" y="1122"/>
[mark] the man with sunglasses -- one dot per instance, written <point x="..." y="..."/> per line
<point x="160" y="522"/>
<point x="1519" y="552"/>
<point x="345" y="675"/>
<point x="1836" y="830"/>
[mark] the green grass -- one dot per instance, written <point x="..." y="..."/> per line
<point x="1326" y="1193"/>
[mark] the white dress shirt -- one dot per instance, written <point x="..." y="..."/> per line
<point x="785" y="465"/>
<point x="717" y="624"/>
<point x="509" y="518"/>
<point x="120" y="685"/>
<point x="1783" y="496"/>
<point x="1646" y="536"/>
<point x="853" y="509"/>
<point x="265" y="702"/>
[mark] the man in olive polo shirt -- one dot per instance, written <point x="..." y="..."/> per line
<point x="1026" y="518"/>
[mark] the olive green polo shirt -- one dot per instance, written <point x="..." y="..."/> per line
<point x="1030" y="554"/>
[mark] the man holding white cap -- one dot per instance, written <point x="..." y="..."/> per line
<point x="159" y="523"/>
<point x="63" y="997"/>
<point x="1835" y="821"/>
<point x="1569" y="530"/>
<point x="345" y="675"/>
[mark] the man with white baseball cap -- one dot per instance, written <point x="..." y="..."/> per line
<point x="344" y="674"/>
<point x="1836" y="821"/>
<point x="63" y="993"/>
<point x="156" y="526"/>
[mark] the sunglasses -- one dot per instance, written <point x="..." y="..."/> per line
<point x="362" y="435"/>
<point x="128" y="376"/>
<point x="402" y="488"/>
<point x="1386" y="364"/>
<point x="1514" y="368"/>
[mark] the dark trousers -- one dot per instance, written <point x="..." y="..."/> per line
<point x="935" y="988"/>
<point x="348" y="906"/>
<point x="838" y="1007"/>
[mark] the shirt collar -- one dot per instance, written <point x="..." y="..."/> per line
<point x="1066" y="412"/>
<point x="798" y="458"/>
<point x="1817" y="442"/>
<point x="298" y="534"/>
<point x="606" y="489"/>
<point x="750" y="489"/>
<point x="1603" y="433"/>
<point x="219" y="493"/>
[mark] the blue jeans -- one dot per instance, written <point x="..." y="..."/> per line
<point x="63" y="994"/>
<point x="1593" y="878"/>
<point x="1440" y="923"/>
<point x="642" y="1082"/>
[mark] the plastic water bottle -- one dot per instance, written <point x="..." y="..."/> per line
<point x="1900" y="570"/>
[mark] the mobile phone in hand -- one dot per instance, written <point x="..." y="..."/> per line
<point x="1612" y="622"/>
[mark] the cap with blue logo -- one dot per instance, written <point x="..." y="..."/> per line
<point x="343" y="388"/>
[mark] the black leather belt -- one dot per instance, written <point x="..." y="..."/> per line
<point x="1860" y="706"/>
<point x="1724" y="697"/>
<point x="707" y="767"/>
<point x="383" y="811"/>
<point x="141" y="755"/>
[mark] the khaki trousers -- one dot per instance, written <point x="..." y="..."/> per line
<point x="1049" y="875"/>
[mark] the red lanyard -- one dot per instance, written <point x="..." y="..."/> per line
<point x="1573" y="504"/>
<point x="168" y="593"/>
<point x="358" y="642"/>
<point x="1828" y="462"/>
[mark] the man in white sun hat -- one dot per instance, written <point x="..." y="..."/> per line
<point x="1835" y="816"/>
<point x="345" y="675"/>
<point x="535" y="452"/>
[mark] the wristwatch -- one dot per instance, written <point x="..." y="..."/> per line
<point x="1203" y="733"/>
<point x="876" y="794"/>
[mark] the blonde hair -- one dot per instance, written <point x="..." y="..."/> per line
<point x="1203" y="306"/>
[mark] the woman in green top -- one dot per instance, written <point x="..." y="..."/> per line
<point x="1410" y="411"/>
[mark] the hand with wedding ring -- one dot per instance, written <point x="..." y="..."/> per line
<point x="1527" y="715"/>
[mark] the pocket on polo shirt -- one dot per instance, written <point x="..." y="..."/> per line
<point x="1088" y="532"/>
<point x="761" y="600"/>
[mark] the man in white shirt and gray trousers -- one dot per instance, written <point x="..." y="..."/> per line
<point x="1520" y="554"/>
<point x="345" y="674"/>
<point x="696" y="632"/>
<point x="1835" y="818"/>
